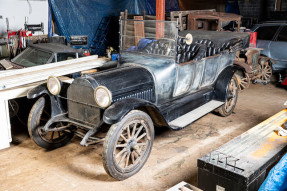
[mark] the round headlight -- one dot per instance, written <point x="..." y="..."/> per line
<point x="53" y="85"/>
<point x="103" y="96"/>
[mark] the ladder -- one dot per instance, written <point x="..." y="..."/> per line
<point x="98" y="45"/>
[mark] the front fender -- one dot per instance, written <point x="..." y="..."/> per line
<point x="118" y="110"/>
<point x="263" y="59"/>
<point x="56" y="105"/>
<point x="37" y="91"/>
<point x="221" y="85"/>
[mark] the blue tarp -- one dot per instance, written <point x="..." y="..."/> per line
<point x="82" y="17"/>
<point x="50" y="25"/>
<point x="232" y="7"/>
<point x="277" y="177"/>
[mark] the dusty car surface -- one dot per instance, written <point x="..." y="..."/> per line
<point x="163" y="79"/>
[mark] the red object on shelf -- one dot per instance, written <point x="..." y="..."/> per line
<point x="87" y="53"/>
<point x="20" y="33"/>
<point x="253" y="38"/>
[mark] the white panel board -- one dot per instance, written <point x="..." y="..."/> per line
<point x="5" y="131"/>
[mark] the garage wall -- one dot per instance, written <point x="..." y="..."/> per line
<point x="219" y="5"/>
<point x="17" y="10"/>
<point x="260" y="9"/>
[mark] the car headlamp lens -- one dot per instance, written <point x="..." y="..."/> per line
<point x="103" y="96"/>
<point x="53" y="85"/>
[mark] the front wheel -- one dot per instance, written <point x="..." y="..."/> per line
<point x="128" y="145"/>
<point x="231" y="98"/>
<point x="38" y="117"/>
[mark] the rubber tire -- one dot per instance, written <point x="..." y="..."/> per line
<point x="33" y="121"/>
<point x="221" y="110"/>
<point x="112" y="135"/>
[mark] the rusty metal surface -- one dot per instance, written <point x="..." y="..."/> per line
<point x="254" y="65"/>
<point x="195" y="18"/>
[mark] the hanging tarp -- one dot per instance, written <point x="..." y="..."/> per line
<point x="232" y="7"/>
<point x="277" y="177"/>
<point x="170" y="5"/>
<point x="50" y="24"/>
<point x="82" y="17"/>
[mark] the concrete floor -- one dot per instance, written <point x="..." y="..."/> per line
<point x="25" y="166"/>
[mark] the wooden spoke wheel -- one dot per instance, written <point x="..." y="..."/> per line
<point x="38" y="117"/>
<point x="128" y="145"/>
<point x="231" y="98"/>
<point x="243" y="80"/>
<point x="266" y="72"/>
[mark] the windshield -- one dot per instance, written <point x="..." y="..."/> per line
<point x="32" y="57"/>
<point x="149" y="37"/>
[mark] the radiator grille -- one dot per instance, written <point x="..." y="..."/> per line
<point x="82" y="105"/>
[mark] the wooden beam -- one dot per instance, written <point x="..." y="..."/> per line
<point x="139" y="29"/>
<point x="160" y="16"/>
<point x="278" y="5"/>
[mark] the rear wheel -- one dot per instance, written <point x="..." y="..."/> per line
<point x="231" y="98"/>
<point x="128" y="145"/>
<point x="243" y="80"/>
<point x="38" y="117"/>
<point x="265" y="72"/>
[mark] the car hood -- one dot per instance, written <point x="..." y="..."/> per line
<point x="122" y="82"/>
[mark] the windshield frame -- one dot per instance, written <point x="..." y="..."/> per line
<point x="173" y="40"/>
<point x="37" y="49"/>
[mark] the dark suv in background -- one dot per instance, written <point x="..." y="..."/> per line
<point x="272" y="37"/>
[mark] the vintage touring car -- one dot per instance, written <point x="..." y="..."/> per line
<point x="162" y="79"/>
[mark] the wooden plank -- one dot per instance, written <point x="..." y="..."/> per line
<point x="14" y="78"/>
<point x="139" y="29"/>
<point x="278" y="5"/>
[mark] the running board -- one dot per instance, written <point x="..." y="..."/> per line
<point x="195" y="114"/>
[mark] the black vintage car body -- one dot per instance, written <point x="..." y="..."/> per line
<point x="162" y="80"/>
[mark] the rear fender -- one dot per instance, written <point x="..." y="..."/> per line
<point x="221" y="85"/>
<point x="120" y="109"/>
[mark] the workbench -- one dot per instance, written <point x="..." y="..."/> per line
<point x="16" y="84"/>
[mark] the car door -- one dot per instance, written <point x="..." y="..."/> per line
<point x="278" y="50"/>
<point x="265" y="34"/>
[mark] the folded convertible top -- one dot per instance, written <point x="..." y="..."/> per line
<point x="218" y="37"/>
